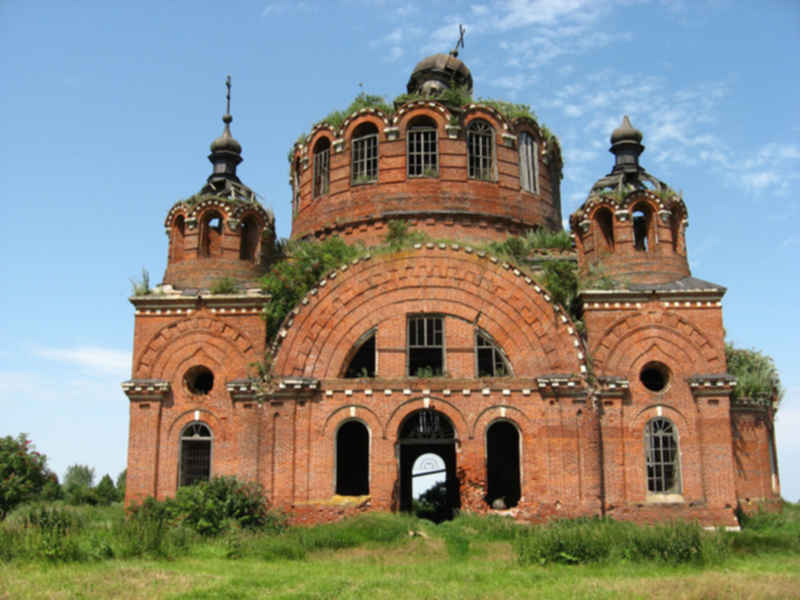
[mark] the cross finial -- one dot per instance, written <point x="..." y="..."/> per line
<point x="228" y="95"/>
<point x="460" y="42"/>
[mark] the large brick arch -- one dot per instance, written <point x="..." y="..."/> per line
<point x="517" y="313"/>
<point x="672" y="339"/>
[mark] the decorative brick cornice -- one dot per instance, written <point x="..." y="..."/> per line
<point x="762" y="403"/>
<point x="620" y="299"/>
<point x="612" y="386"/>
<point x="167" y="301"/>
<point x="146" y="389"/>
<point x="557" y="384"/>
<point x="244" y="389"/>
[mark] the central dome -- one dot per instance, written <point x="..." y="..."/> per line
<point x="434" y="74"/>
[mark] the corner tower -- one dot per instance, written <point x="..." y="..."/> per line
<point x="223" y="231"/>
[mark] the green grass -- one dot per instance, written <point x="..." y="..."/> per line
<point x="398" y="556"/>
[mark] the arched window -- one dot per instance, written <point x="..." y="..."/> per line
<point x="352" y="459"/>
<point x="211" y="240"/>
<point x="490" y="360"/>
<point x="178" y="238"/>
<point x="249" y="238"/>
<point x="195" y="461"/>
<point x="641" y="227"/>
<point x="675" y="226"/>
<point x="296" y="187"/>
<point x="502" y="465"/>
<point x="480" y="150"/>
<point x="528" y="163"/>
<point x="364" y="155"/>
<point x="662" y="457"/>
<point x="362" y="364"/>
<point x="322" y="157"/>
<point x="422" y="148"/>
<point x="605" y="223"/>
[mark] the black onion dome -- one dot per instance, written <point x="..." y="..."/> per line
<point x="446" y="69"/>
<point x="226" y="142"/>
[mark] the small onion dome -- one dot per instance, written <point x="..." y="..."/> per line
<point x="626" y="132"/>
<point x="226" y="142"/>
<point x="439" y="70"/>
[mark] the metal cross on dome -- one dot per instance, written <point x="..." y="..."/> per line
<point x="228" y="95"/>
<point x="460" y="42"/>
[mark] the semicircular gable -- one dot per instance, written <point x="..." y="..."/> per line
<point x="536" y="336"/>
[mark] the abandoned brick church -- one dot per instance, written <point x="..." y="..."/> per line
<point x="441" y="359"/>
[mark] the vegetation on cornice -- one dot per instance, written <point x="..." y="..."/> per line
<point x="337" y="118"/>
<point x="305" y="263"/>
<point x="141" y="287"/>
<point x="755" y="372"/>
<point x="224" y="285"/>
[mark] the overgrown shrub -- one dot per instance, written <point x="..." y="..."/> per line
<point x="224" y="285"/>
<point x="23" y="472"/>
<point x="290" y="279"/>
<point x="756" y="374"/>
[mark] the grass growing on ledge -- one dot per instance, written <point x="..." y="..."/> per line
<point x="141" y="287"/>
<point x="756" y="374"/>
<point x="224" y="285"/>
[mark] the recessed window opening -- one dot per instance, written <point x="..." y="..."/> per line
<point x="654" y="376"/>
<point x="480" y="150"/>
<point x="662" y="457"/>
<point x="296" y="187"/>
<point x="364" y="155"/>
<point x="422" y="148"/>
<point x="322" y="156"/>
<point x="528" y="163"/>
<point x="675" y="226"/>
<point x="605" y="222"/>
<point x="195" y="460"/>
<point x="491" y="360"/>
<point x="425" y="346"/>
<point x="178" y="238"/>
<point x="211" y="235"/>
<point x="502" y="465"/>
<point x="249" y="238"/>
<point x="352" y="459"/>
<point x="641" y="228"/>
<point x="199" y="380"/>
<point x="363" y="362"/>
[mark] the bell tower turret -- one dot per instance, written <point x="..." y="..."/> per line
<point x="632" y="226"/>
<point x="223" y="231"/>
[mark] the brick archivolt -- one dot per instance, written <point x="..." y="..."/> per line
<point x="178" y="342"/>
<point x="637" y="339"/>
<point x="535" y="334"/>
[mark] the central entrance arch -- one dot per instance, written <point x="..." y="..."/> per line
<point x="428" y="432"/>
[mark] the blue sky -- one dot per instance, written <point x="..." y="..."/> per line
<point x="108" y="109"/>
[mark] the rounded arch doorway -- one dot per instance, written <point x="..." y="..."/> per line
<point x="427" y="454"/>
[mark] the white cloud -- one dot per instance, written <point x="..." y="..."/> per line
<point x="274" y="9"/>
<point x="395" y="53"/>
<point x="102" y="360"/>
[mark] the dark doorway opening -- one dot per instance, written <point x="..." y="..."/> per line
<point x="502" y="465"/>
<point x="428" y="432"/>
<point x="352" y="459"/>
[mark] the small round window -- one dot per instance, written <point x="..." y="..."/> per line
<point x="199" y="380"/>
<point x="654" y="376"/>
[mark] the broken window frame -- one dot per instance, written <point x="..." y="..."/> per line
<point x="432" y="341"/>
<point x="662" y="457"/>
<point x="422" y="148"/>
<point x="528" y="163"/>
<point x="195" y="434"/>
<point x="485" y="344"/>
<point x="480" y="150"/>
<point x="364" y="155"/>
<point x="322" y="167"/>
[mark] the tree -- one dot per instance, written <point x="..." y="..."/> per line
<point x="105" y="491"/>
<point x="23" y="472"/>
<point x="78" y="485"/>
<point x="121" y="480"/>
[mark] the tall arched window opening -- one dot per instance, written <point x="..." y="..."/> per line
<point x="641" y="227"/>
<point x="675" y="226"/>
<point x="662" y="457"/>
<point x="362" y="364"/>
<point x="422" y="148"/>
<point x="296" y="186"/>
<point x="605" y="223"/>
<point x="502" y="465"/>
<point x="249" y="238"/>
<point x="490" y="360"/>
<point x="178" y="238"/>
<point x="195" y="461"/>
<point x="352" y="459"/>
<point x="425" y="346"/>
<point x="480" y="150"/>
<point x="322" y="166"/>
<point x="528" y="163"/>
<point x="364" y="155"/>
<point x="211" y="240"/>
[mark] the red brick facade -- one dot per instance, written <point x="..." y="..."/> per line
<point x="632" y="419"/>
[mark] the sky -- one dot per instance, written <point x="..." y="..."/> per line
<point x="108" y="109"/>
